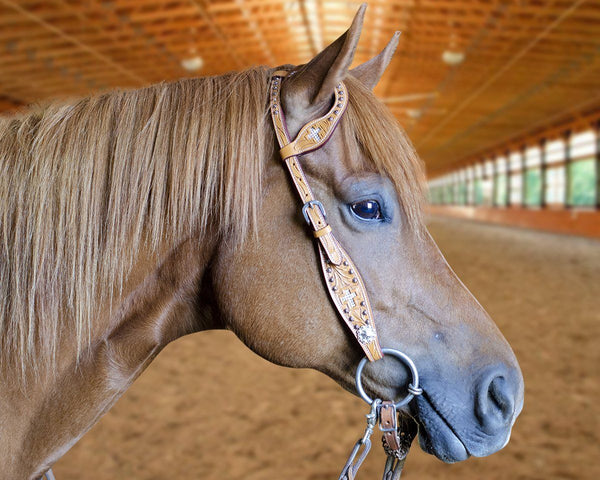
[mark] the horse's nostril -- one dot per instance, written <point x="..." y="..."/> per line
<point x="500" y="398"/>
<point x="495" y="403"/>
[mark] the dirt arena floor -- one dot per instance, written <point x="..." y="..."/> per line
<point x="208" y="408"/>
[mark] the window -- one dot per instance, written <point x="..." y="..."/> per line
<point x="582" y="182"/>
<point x="448" y="191"/>
<point x="533" y="177"/>
<point x="582" y="169"/>
<point x="487" y="184"/>
<point x="583" y="144"/>
<point x="469" y="174"/>
<point x="516" y="178"/>
<point x="555" y="185"/>
<point x="456" y="188"/>
<point x="555" y="151"/>
<point x="478" y="185"/>
<point x="501" y="168"/>
<point x="438" y="197"/>
<point x="555" y="174"/>
<point x="533" y="188"/>
<point x="436" y="191"/>
<point x="462" y="187"/>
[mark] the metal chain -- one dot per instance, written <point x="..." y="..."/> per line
<point x="407" y="430"/>
<point x="351" y="467"/>
<point x="393" y="468"/>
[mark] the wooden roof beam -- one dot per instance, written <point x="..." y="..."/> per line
<point x="36" y="19"/>
<point x="470" y="98"/>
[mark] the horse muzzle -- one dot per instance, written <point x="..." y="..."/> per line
<point x="455" y="423"/>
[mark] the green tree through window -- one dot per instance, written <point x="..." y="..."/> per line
<point x="582" y="182"/>
<point x="501" y="189"/>
<point x="533" y="187"/>
<point x="462" y="193"/>
<point x="478" y="192"/>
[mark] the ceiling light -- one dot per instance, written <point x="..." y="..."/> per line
<point x="453" y="57"/>
<point x="192" y="64"/>
<point x="414" y="113"/>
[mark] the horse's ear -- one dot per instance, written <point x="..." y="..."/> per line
<point x="370" y="72"/>
<point x="313" y="83"/>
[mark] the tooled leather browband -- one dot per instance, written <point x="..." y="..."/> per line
<point x="344" y="284"/>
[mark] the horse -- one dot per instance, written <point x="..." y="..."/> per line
<point x="133" y="218"/>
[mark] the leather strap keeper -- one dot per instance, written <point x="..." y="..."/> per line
<point x="322" y="231"/>
<point x="287" y="151"/>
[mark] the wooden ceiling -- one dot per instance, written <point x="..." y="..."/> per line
<point x="527" y="63"/>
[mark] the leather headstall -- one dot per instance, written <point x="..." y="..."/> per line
<point x="344" y="284"/>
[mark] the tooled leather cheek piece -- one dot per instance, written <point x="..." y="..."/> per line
<point x="344" y="284"/>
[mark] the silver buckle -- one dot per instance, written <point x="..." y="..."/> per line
<point x="310" y="204"/>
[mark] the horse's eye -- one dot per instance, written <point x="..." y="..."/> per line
<point x="367" y="209"/>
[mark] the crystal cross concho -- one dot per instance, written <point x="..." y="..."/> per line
<point x="314" y="134"/>
<point x="348" y="298"/>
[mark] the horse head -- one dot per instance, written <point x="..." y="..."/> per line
<point x="133" y="218"/>
<point x="270" y="293"/>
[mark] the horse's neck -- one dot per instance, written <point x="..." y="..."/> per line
<point x="159" y="304"/>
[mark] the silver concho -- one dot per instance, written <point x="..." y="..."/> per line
<point x="366" y="334"/>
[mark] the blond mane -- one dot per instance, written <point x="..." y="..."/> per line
<point x="84" y="185"/>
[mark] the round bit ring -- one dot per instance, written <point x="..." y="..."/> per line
<point x="413" y="387"/>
